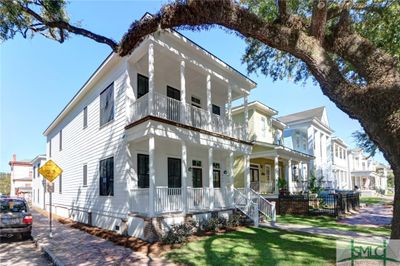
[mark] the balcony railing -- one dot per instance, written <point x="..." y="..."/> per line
<point x="174" y="110"/>
<point x="168" y="200"/>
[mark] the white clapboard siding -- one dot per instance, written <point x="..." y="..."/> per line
<point x="88" y="146"/>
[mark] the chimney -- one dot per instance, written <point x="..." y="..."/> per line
<point x="14" y="157"/>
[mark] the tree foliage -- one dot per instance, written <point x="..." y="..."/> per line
<point x="377" y="20"/>
<point x="365" y="143"/>
<point x="5" y="183"/>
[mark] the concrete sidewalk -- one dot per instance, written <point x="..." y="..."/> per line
<point x="362" y="237"/>
<point x="71" y="246"/>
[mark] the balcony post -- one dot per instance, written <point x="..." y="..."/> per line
<point x="209" y="102"/>
<point x="246" y="116"/>
<point x="152" y="176"/>
<point x="151" y="78"/>
<point x="184" y="116"/>
<point x="276" y="173"/>
<point x="247" y="175"/>
<point x="210" y="177"/>
<point x="184" y="177"/>
<point x="229" y="105"/>
<point x="290" y="176"/>
<point x="231" y="178"/>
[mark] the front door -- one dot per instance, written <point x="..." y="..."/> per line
<point x="197" y="177"/>
<point x="254" y="177"/>
<point x="173" y="104"/>
<point x="174" y="173"/>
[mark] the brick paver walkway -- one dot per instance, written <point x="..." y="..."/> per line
<point x="373" y="215"/>
<point x="73" y="247"/>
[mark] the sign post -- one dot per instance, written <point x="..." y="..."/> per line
<point x="50" y="170"/>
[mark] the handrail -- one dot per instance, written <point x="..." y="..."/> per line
<point x="266" y="207"/>
<point x="246" y="206"/>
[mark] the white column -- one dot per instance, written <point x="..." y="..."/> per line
<point x="229" y="106"/>
<point x="289" y="176"/>
<point x="184" y="177"/>
<point x="210" y="177"/>
<point x="184" y="116"/>
<point x="151" y="78"/>
<point x="152" y="176"/>
<point x="231" y="177"/>
<point x="247" y="174"/>
<point x="209" y="103"/>
<point x="276" y="173"/>
<point x="246" y="117"/>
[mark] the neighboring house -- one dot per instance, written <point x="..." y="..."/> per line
<point x="149" y="139"/>
<point x="309" y="132"/>
<point x="366" y="174"/>
<point x="21" y="178"/>
<point x="270" y="158"/>
<point x="39" y="197"/>
<point x="340" y="165"/>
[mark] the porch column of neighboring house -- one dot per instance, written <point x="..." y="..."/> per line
<point x="209" y="102"/>
<point x="183" y="114"/>
<point x="229" y="105"/>
<point x="247" y="174"/>
<point x="151" y="78"/>
<point x="184" y="177"/>
<point x="246" y="117"/>
<point x="300" y="178"/>
<point x="152" y="176"/>
<point x="210" y="177"/>
<point x="276" y="173"/>
<point x="289" y="176"/>
<point x="231" y="177"/>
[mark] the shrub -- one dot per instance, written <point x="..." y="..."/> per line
<point x="213" y="224"/>
<point x="179" y="233"/>
<point x="234" y="220"/>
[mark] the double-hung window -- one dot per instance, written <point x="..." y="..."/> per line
<point x="143" y="170"/>
<point x="107" y="105"/>
<point x="107" y="177"/>
<point x="142" y="85"/>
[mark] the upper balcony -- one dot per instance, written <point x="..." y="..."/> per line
<point x="174" y="80"/>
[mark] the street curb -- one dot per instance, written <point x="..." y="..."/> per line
<point x="53" y="258"/>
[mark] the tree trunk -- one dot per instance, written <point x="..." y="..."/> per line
<point x="396" y="204"/>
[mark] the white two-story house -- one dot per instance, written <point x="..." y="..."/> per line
<point x="309" y="132"/>
<point x="271" y="159"/>
<point x="39" y="196"/>
<point x="340" y="165"/>
<point x="366" y="174"/>
<point x="150" y="137"/>
<point x="21" y="178"/>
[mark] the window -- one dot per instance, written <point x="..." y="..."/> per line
<point x="336" y="151"/>
<point x="107" y="177"/>
<point x="107" y="105"/>
<point x="142" y="85"/>
<point x="174" y="173"/>
<point x="254" y="173"/>
<point x="143" y="170"/>
<point x="85" y="117"/>
<point x="50" y="148"/>
<point x="34" y="171"/>
<point x="60" y="184"/>
<point x="216" y="175"/>
<point x="173" y="107"/>
<point x="84" y="175"/>
<point x="60" y="144"/>
<point x="263" y="127"/>
<point x="216" y="109"/>
<point x="197" y="174"/>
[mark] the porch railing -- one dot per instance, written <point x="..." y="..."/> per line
<point x="171" y="199"/>
<point x="174" y="110"/>
<point x="168" y="200"/>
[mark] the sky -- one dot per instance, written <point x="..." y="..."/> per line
<point x="38" y="76"/>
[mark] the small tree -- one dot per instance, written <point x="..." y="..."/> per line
<point x="5" y="183"/>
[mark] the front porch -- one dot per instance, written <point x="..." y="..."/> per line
<point x="271" y="163"/>
<point x="178" y="177"/>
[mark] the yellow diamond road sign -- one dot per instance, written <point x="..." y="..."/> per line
<point x="50" y="170"/>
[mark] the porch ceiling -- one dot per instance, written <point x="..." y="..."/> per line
<point x="283" y="153"/>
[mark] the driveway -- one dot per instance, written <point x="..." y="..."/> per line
<point x="14" y="251"/>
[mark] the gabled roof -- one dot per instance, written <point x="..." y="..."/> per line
<point x="256" y="105"/>
<point x="317" y="113"/>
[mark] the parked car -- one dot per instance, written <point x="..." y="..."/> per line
<point x="15" y="218"/>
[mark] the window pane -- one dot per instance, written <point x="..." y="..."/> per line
<point x="85" y="175"/>
<point x="107" y="177"/>
<point x="60" y="140"/>
<point x="85" y="118"/>
<point x="143" y="171"/>
<point x="60" y="184"/>
<point x="107" y="105"/>
<point x="142" y="85"/>
<point x="216" y="109"/>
